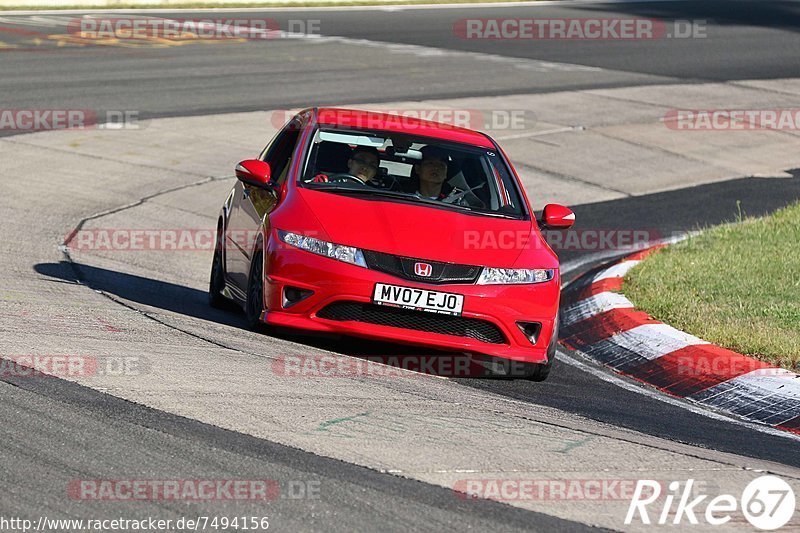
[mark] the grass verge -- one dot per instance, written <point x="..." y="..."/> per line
<point x="735" y="285"/>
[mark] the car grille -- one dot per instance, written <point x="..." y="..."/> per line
<point x="403" y="267"/>
<point x="417" y="320"/>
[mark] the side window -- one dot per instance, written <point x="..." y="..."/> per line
<point x="279" y="152"/>
<point x="509" y="198"/>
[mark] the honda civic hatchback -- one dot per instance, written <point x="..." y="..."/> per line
<point x="391" y="228"/>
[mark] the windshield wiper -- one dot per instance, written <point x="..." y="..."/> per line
<point x="415" y="198"/>
<point x="379" y="192"/>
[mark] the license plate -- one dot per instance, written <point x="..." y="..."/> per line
<point x="445" y="303"/>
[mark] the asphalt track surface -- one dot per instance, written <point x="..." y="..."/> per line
<point x="130" y="437"/>
<point x="745" y="40"/>
<point x="54" y="418"/>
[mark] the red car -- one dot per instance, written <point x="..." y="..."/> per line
<point x="391" y="228"/>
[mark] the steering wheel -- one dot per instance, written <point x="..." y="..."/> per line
<point x="345" y="177"/>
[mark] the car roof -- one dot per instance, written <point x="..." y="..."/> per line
<point x="371" y="120"/>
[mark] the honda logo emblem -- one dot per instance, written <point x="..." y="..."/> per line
<point x="423" y="270"/>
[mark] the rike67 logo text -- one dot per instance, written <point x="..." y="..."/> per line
<point x="767" y="502"/>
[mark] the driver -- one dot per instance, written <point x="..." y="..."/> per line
<point x="363" y="164"/>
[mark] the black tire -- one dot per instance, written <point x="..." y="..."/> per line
<point x="216" y="283"/>
<point x="255" y="292"/>
<point x="541" y="372"/>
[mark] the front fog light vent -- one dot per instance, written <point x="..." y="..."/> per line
<point x="530" y="330"/>
<point x="293" y="295"/>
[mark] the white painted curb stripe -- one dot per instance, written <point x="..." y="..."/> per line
<point x="769" y="396"/>
<point x="650" y="392"/>
<point x="594" y="305"/>
<point x="617" y="271"/>
<point x="586" y="281"/>
<point x="602" y="302"/>
<point x="634" y="347"/>
<point x="651" y="341"/>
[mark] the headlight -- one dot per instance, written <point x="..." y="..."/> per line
<point x="508" y="276"/>
<point x="348" y="254"/>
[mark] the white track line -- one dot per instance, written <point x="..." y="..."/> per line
<point x="424" y="51"/>
<point x="397" y="7"/>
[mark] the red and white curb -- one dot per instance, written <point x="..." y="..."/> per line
<point x="606" y="327"/>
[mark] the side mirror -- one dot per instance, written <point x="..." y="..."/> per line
<point x="254" y="172"/>
<point x="557" y="216"/>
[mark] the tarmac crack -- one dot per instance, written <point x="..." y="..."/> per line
<point x="80" y="278"/>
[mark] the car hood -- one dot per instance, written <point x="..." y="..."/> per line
<point x="437" y="234"/>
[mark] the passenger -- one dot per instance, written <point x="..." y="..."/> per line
<point x="363" y="164"/>
<point x="432" y="173"/>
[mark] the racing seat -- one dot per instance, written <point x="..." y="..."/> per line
<point x="332" y="157"/>
<point x="475" y="179"/>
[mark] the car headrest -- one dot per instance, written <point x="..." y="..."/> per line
<point x="332" y="156"/>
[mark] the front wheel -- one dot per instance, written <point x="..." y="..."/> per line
<point x="255" y="292"/>
<point x="216" y="283"/>
<point x="540" y="372"/>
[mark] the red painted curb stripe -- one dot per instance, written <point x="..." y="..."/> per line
<point x="638" y="256"/>
<point x="602" y="326"/>
<point x="792" y="425"/>
<point x="694" y="368"/>
<point x="604" y="285"/>
<point x="702" y="370"/>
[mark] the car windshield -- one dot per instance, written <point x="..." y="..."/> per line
<point x="402" y="167"/>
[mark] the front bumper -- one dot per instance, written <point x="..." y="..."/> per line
<point x="335" y="282"/>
